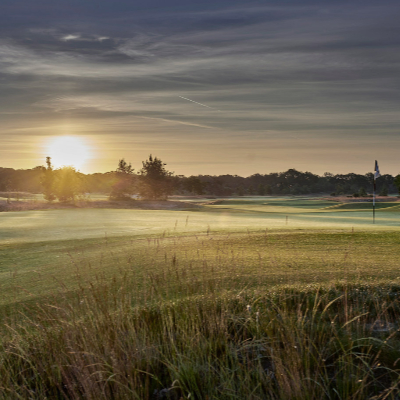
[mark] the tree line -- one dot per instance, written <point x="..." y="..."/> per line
<point x="154" y="182"/>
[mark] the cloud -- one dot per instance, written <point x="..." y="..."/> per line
<point x="81" y="38"/>
<point x="70" y="37"/>
<point x="303" y="71"/>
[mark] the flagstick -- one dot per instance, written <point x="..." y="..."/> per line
<point x="373" y="203"/>
<point x="376" y="175"/>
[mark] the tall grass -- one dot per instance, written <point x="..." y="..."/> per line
<point x="198" y="330"/>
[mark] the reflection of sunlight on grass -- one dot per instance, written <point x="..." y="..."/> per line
<point x="33" y="226"/>
<point x="273" y="255"/>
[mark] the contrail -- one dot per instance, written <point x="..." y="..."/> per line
<point x="200" y="104"/>
<point x="178" y="122"/>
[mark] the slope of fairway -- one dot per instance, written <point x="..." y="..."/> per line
<point x="31" y="270"/>
<point x="302" y="203"/>
<point x="364" y="206"/>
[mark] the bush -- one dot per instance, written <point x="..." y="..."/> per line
<point x="362" y="192"/>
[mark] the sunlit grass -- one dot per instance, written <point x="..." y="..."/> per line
<point x="202" y="332"/>
<point x="267" y="257"/>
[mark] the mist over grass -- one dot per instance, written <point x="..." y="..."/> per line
<point x="217" y="215"/>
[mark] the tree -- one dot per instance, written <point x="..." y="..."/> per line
<point x="193" y="184"/>
<point x="397" y="182"/>
<point x="68" y="184"/>
<point x="124" y="167"/>
<point x="384" y="191"/>
<point x="240" y="191"/>
<point x="155" y="181"/>
<point x="261" y="190"/>
<point x="48" y="181"/>
<point x="62" y="184"/>
<point x="123" y="187"/>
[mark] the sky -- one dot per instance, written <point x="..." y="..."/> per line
<point x="211" y="87"/>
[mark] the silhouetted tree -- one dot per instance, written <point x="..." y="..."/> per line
<point x="155" y="181"/>
<point x="48" y="181"/>
<point x="193" y="184"/>
<point x="383" y="191"/>
<point x="124" y="167"/>
<point x="123" y="187"/>
<point x="397" y="182"/>
<point x="240" y="191"/>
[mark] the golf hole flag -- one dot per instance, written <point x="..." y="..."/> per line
<point x="377" y="174"/>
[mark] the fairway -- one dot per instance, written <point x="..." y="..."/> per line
<point x="222" y="215"/>
<point x="281" y="240"/>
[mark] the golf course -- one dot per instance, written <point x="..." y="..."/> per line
<point x="220" y="298"/>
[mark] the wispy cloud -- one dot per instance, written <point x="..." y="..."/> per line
<point x="70" y="37"/>
<point x="180" y="122"/>
<point x="81" y="38"/>
<point x="302" y="71"/>
<point x="200" y="104"/>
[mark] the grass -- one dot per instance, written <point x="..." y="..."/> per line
<point x="338" y="342"/>
<point x="202" y="305"/>
<point x="273" y="257"/>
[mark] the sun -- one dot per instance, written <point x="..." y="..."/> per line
<point x="68" y="151"/>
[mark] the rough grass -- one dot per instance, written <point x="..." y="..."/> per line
<point x="333" y="342"/>
<point x="272" y="315"/>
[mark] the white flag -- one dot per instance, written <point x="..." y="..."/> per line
<point x="377" y="173"/>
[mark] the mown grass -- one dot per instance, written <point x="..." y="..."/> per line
<point x="255" y="315"/>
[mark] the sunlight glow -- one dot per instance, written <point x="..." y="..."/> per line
<point x="68" y="151"/>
